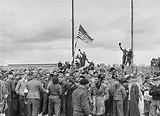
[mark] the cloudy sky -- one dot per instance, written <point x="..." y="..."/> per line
<point x="39" y="31"/>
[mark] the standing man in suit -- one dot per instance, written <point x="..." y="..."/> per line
<point x="34" y="87"/>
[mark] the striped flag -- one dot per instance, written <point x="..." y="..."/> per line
<point x="83" y="35"/>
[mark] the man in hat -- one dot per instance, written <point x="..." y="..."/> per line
<point x="72" y="87"/>
<point x="80" y="99"/>
<point x="155" y="93"/>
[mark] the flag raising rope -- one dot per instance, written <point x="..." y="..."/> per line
<point x="83" y="35"/>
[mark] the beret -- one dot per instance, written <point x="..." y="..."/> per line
<point x="84" y="81"/>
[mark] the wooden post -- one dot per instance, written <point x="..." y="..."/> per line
<point x="73" y="30"/>
<point x="132" y="32"/>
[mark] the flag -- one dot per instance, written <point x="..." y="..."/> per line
<point x="83" y="35"/>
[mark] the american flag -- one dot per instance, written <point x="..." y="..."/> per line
<point x="83" y="35"/>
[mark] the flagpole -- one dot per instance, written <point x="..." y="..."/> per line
<point x="132" y="32"/>
<point x="73" y="30"/>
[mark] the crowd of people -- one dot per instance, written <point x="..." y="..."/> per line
<point x="155" y="62"/>
<point x="71" y="90"/>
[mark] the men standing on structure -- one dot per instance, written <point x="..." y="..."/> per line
<point x="84" y="58"/>
<point x="125" y="52"/>
<point x="127" y="56"/>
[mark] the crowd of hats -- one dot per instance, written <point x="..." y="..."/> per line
<point x="75" y="75"/>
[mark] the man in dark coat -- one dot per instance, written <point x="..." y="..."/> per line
<point x="69" y="106"/>
<point x="133" y="98"/>
<point x="15" y="100"/>
<point x="8" y="83"/>
<point x="64" y="85"/>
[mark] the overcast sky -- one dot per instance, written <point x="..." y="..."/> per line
<point x="39" y="31"/>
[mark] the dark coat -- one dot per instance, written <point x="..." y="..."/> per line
<point x="133" y="104"/>
<point x="8" y="85"/>
<point x="69" y="107"/>
<point x="15" y="103"/>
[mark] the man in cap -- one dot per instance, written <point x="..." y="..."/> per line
<point x="119" y="96"/>
<point x="71" y="88"/>
<point x="155" y="93"/>
<point x="80" y="99"/>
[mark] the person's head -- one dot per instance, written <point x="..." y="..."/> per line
<point x="55" y="80"/>
<point x="47" y="75"/>
<point x="24" y="76"/>
<point x="116" y="81"/>
<point x="95" y="73"/>
<point x="84" y="82"/>
<point x="100" y="77"/>
<point x="10" y="75"/>
<point x="71" y="81"/>
<point x="34" y="74"/>
<point x="102" y="71"/>
<point x="96" y="79"/>
<point x="156" y="80"/>
<point x="129" y="79"/>
<point x="60" y="78"/>
<point x="54" y="72"/>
